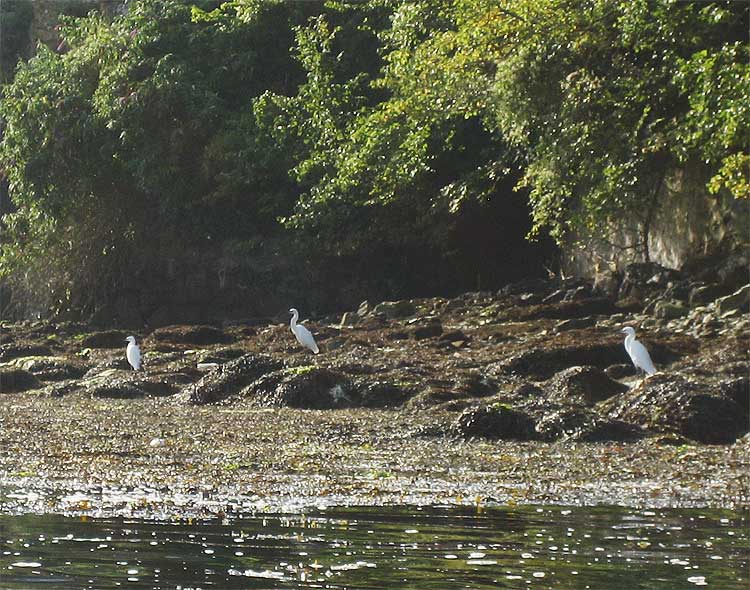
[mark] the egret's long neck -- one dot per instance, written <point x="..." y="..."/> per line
<point x="293" y="323"/>
<point x="628" y="339"/>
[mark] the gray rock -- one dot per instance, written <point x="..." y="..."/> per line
<point x="620" y="370"/>
<point x="542" y="363"/>
<point x="364" y="309"/>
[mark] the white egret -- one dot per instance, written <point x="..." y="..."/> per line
<point x="638" y="353"/>
<point x="301" y="333"/>
<point x="133" y="353"/>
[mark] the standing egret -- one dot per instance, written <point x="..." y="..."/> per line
<point x="638" y="353"/>
<point x="133" y="353"/>
<point x="301" y="333"/>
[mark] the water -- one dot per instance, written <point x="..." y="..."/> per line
<point x="399" y="547"/>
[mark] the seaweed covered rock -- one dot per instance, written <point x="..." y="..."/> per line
<point x="13" y="380"/>
<point x="586" y="425"/>
<point x="123" y="384"/>
<point x="230" y="378"/>
<point x="196" y="335"/>
<point x="14" y="350"/>
<point x="567" y="309"/>
<point x="587" y="384"/>
<point x="311" y="387"/>
<point x="303" y="387"/>
<point x="674" y="403"/>
<point x="105" y="339"/>
<point x="543" y="363"/>
<point x="495" y="421"/>
<point x="51" y="368"/>
<point x="380" y="394"/>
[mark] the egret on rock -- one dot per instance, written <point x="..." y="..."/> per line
<point x="133" y="353"/>
<point x="638" y="353"/>
<point x="301" y="333"/>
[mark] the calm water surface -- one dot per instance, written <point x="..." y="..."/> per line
<point x="396" y="547"/>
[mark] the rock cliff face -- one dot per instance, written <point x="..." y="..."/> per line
<point x="688" y="225"/>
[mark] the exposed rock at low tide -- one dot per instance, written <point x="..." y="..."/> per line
<point x="587" y="385"/>
<point x="673" y="403"/>
<point x="495" y="421"/>
<point x="512" y="365"/>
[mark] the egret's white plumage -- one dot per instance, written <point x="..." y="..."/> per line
<point x="301" y="333"/>
<point x="638" y="353"/>
<point x="133" y="353"/>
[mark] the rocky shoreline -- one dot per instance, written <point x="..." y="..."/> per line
<point x="524" y="395"/>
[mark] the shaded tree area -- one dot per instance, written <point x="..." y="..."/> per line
<point x="383" y="148"/>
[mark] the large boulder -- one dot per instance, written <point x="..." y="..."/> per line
<point x="674" y="403"/>
<point x="13" y="379"/>
<point x="586" y="384"/>
<point x="495" y="421"/>
<point x="230" y="378"/>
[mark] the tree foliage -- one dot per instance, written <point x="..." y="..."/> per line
<point x="366" y="128"/>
